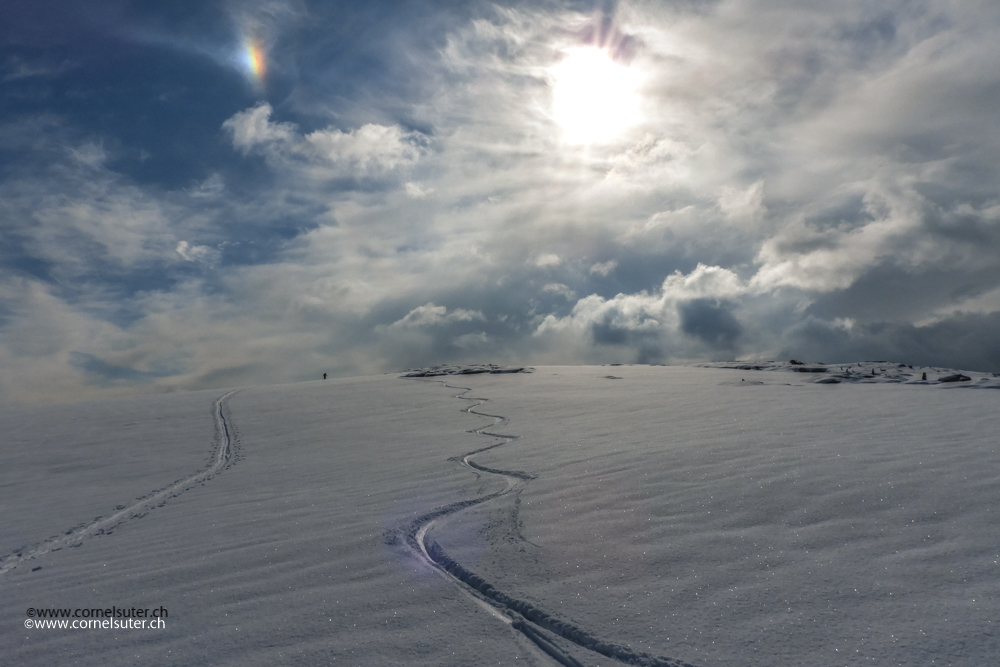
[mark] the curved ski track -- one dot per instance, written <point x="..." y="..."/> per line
<point x="103" y="525"/>
<point x="528" y="619"/>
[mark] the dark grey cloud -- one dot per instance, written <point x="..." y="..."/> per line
<point x="888" y="293"/>
<point x="607" y="333"/>
<point x="963" y="341"/>
<point x="711" y="321"/>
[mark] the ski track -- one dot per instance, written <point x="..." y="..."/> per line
<point x="524" y="617"/>
<point x="104" y="525"/>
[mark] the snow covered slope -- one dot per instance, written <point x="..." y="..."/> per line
<point x="660" y="515"/>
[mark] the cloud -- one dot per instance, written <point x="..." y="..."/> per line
<point x="547" y="260"/>
<point x="197" y="253"/>
<point x="560" y="289"/>
<point x="962" y="341"/>
<point x="896" y="224"/>
<point x="417" y="192"/>
<point x="711" y="321"/>
<point x="104" y="374"/>
<point x="704" y="282"/>
<point x="472" y="341"/>
<point x="369" y="151"/>
<point x="693" y="305"/>
<point x="20" y="68"/>
<point x="78" y="218"/>
<point x="42" y="343"/>
<point x="430" y="315"/>
<point x="604" y="268"/>
<point x="265" y="19"/>
<point x="253" y="128"/>
<point x="983" y="303"/>
<point x="739" y="204"/>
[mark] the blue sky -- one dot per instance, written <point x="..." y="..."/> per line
<point x="208" y="194"/>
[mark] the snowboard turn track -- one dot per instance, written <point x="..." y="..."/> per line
<point x="531" y="621"/>
<point x="224" y="456"/>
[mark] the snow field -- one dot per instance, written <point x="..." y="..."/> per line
<point x="714" y="516"/>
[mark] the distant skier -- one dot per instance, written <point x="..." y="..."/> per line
<point x="324" y="376"/>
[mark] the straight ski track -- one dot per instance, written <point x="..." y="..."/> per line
<point x="224" y="456"/>
<point x="529" y="620"/>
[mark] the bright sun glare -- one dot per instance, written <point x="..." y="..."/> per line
<point x="595" y="98"/>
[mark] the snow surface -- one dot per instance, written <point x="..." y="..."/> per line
<point x="710" y="515"/>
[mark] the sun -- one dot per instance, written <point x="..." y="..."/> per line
<point x="594" y="98"/>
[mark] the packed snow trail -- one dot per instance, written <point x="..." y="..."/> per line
<point x="102" y="525"/>
<point x="528" y="619"/>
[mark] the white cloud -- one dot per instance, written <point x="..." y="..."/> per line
<point x="414" y="191"/>
<point x="253" y="128"/>
<point x="18" y="68"/>
<point x="197" y="253"/>
<point x="39" y="338"/>
<point x="647" y="312"/>
<point x="631" y="312"/>
<point x="370" y="150"/>
<point x="90" y="154"/>
<point x="604" y="268"/>
<point x="560" y="289"/>
<point x="653" y="157"/>
<point x="825" y="259"/>
<point x="743" y="204"/>
<point x="211" y="188"/>
<point x="83" y="217"/>
<point x="704" y="282"/>
<point x="430" y="315"/>
<point x="548" y="260"/>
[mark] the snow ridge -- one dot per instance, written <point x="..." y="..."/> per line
<point x="466" y="369"/>
<point x="869" y="372"/>
<point x="528" y="619"/>
<point x="224" y="457"/>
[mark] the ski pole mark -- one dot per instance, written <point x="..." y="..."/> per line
<point x="224" y="456"/>
<point x="524" y="617"/>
